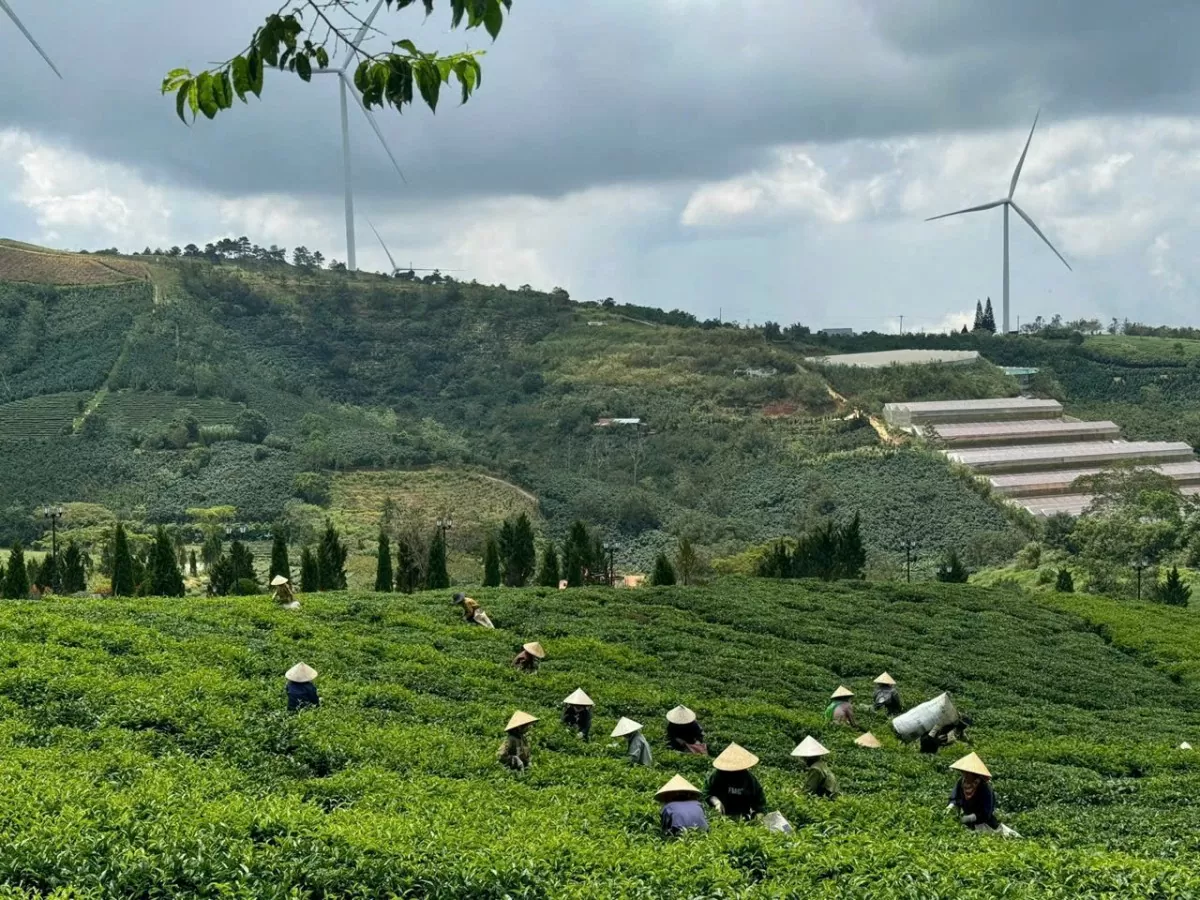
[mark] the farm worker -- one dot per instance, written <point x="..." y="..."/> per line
<point x="301" y="691"/>
<point x="937" y="738"/>
<point x="472" y="614"/>
<point x="681" y="807"/>
<point x="731" y="788"/>
<point x="529" y="657"/>
<point x="639" y="747"/>
<point x="973" y="797"/>
<point x="577" y="713"/>
<point x="283" y="593"/>
<point x="684" y="732"/>
<point x="839" y="711"/>
<point x="514" y="749"/>
<point x="818" y="780"/>
<point x="886" y="695"/>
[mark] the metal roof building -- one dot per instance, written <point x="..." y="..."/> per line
<point x="1064" y="456"/>
<point x="1073" y="504"/>
<point x="1032" y="484"/>
<point x="937" y="412"/>
<point x="990" y="434"/>
<point x="883" y="358"/>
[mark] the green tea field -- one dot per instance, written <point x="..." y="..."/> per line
<point x="145" y="751"/>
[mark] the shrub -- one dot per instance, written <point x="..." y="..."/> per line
<point x="1172" y="591"/>
<point x="664" y="572"/>
<point x="1064" y="584"/>
<point x="312" y="487"/>
<point x="951" y="570"/>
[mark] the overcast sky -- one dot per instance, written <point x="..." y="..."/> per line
<point x="771" y="159"/>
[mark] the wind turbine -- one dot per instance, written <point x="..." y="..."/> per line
<point x="1007" y="202"/>
<point x="346" y="88"/>
<point x="29" y="37"/>
<point x="396" y="268"/>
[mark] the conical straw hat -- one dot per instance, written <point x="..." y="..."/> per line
<point x="278" y="580"/>
<point x="972" y="763"/>
<point x="579" y="698"/>
<point x="841" y="693"/>
<point x="868" y="740"/>
<point x="885" y="678"/>
<point x="1185" y="746"/>
<point x="809" y="748"/>
<point x="735" y="759"/>
<point x="681" y="715"/>
<point x="300" y="673"/>
<point x="626" y="726"/>
<point x="533" y="648"/>
<point x="518" y="719"/>
<point x="677" y="785"/>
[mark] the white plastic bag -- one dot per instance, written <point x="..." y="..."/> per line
<point x="776" y="822"/>
<point x="924" y="717"/>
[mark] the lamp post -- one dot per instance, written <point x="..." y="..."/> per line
<point x="53" y="514"/>
<point x="444" y="525"/>
<point x="1139" y="566"/>
<point x="910" y="553"/>
<point x="610" y="549"/>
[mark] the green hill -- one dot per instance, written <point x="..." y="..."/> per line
<point x="146" y="753"/>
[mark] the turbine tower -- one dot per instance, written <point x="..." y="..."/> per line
<point x="395" y="268"/>
<point x="29" y="37"/>
<point x="346" y="88"/>
<point x="1007" y="202"/>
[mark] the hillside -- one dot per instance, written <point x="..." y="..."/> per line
<point x="151" y="395"/>
<point x="146" y="752"/>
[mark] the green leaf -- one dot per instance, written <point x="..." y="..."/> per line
<point x="194" y="97"/>
<point x="174" y="79"/>
<point x="205" y="95"/>
<point x="181" y="97"/>
<point x="429" y="82"/>
<point x="408" y="45"/>
<point x="322" y="58"/>
<point x="226" y="90"/>
<point x="304" y="67"/>
<point x="256" y="72"/>
<point x="493" y="18"/>
<point x="445" y="67"/>
<point x="457" y="7"/>
<point x="241" y="76"/>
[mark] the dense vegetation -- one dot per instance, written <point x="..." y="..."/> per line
<point x="146" y="751"/>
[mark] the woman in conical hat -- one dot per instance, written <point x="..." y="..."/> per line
<point x="529" y="657"/>
<point x="577" y="713"/>
<point x="639" y="748"/>
<point x="887" y="696"/>
<point x="972" y="796"/>
<point x="731" y="788"/>
<point x="681" y="807"/>
<point x="514" y="749"/>
<point x="283" y="592"/>
<point x="818" y="779"/>
<point x="301" y="692"/>
<point x="839" y="711"/>
<point x="684" y="732"/>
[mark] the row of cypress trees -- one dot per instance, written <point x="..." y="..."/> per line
<point x="830" y="551"/>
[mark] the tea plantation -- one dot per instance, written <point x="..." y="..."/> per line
<point x="144" y="750"/>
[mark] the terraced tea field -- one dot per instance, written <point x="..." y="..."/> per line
<point x="137" y="409"/>
<point x="22" y="263"/>
<point x="47" y="416"/>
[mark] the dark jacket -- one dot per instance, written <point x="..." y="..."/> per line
<point x="301" y="694"/>
<point x="578" y="718"/>
<point x="679" y="736"/>
<point x="982" y="806"/>
<point x="739" y="792"/>
<point x="820" y="781"/>
<point x="887" y="697"/>
<point x="526" y="661"/>
<point x="679" y="816"/>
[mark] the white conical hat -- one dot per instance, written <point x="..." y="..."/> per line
<point x="972" y="763"/>
<point x="1185" y="746"/>
<point x="626" y="726"/>
<point x="579" y="698"/>
<point x="518" y="719"/>
<point x="677" y="785"/>
<point x="533" y="648"/>
<point x="885" y="678"/>
<point x="868" y="740"/>
<point x="735" y="759"/>
<point x="809" y="748"/>
<point x="841" y="693"/>
<point x="278" y="580"/>
<point x="681" y="715"/>
<point x="300" y="673"/>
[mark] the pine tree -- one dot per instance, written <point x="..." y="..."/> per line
<point x="951" y="571"/>
<point x="310" y="574"/>
<point x="383" y="565"/>
<point x="989" y="317"/>
<point x="548" y="573"/>
<point x="685" y="560"/>
<point x="523" y="561"/>
<point x="74" y="577"/>
<point x="978" y="326"/>
<point x="436" y="576"/>
<point x="46" y="572"/>
<point x="852" y="557"/>
<point x="408" y="567"/>
<point x="491" y="561"/>
<point x="123" y="583"/>
<point x="664" y="573"/>
<point x="1173" y="591"/>
<point x="505" y="547"/>
<point x="221" y="576"/>
<point x="1064" y="583"/>
<point x="279" y="557"/>
<point x="165" y="578"/>
<point x="331" y="560"/>
<point x="243" y="562"/>
<point x="16" y="578"/>
<point x="576" y="556"/>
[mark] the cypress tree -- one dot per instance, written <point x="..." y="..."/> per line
<point x="192" y="569"/>
<point x="1064" y="583"/>
<point x="978" y="326"/>
<point x="279" y="557"/>
<point x="685" y="560"/>
<point x="123" y="583"/>
<point x="46" y="572"/>
<point x="383" y="565"/>
<point x="505" y="548"/>
<point x="576" y="554"/>
<point x="491" y="562"/>
<point x="664" y="573"/>
<point x="310" y="574"/>
<point x="221" y="576"/>
<point x="242" y="561"/>
<point x="331" y="560"/>
<point x="33" y="571"/>
<point x="548" y="573"/>
<point x="16" y="578"/>
<point x="524" y="554"/>
<point x="74" y="577"/>
<point x="1173" y="591"/>
<point x="408" y="569"/>
<point x="989" y="317"/>
<point x="437" y="578"/>
<point x="165" y="578"/>
<point x="852" y="557"/>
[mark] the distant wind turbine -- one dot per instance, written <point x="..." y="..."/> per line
<point x="29" y="37"/>
<point x="347" y="88"/>
<point x="1007" y="202"/>
<point x="396" y="268"/>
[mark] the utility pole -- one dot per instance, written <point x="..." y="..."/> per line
<point x="910" y="551"/>
<point x="1139" y="566"/>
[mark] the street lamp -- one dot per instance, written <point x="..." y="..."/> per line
<point x="1139" y="566"/>
<point x="53" y="514"/>
<point x="611" y="548"/>
<point x="910" y="553"/>
<point x="444" y="525"/>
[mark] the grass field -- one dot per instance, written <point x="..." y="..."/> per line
<point x="145" y="752"/>
<point x="1145" y="350"/>
<point x="32" y="266"/>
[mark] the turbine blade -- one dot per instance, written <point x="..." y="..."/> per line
<point x="29" y="37"/>
<point x="384" y="246"/>
<point x="1012" y="185"/>
<point x="1038" y="231"/>
<point x="374" y="125"/>
<point x="959" y="212"/>
<point x="362" y="33"/>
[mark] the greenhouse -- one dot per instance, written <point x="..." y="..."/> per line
<point x="984" y="434"/>
<point x="1073" y="504"/>
<point x="1030" y="484"/>
<point x="883" y="358"/>
<point x="1062" y="456"/>
<point x="936" y="412"/>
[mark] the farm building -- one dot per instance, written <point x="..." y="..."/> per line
<point x="1061" y="456"/>
<point x="1032" y="484"/>
<point x="937" y="412"/>
<point x="1038" y="431"/>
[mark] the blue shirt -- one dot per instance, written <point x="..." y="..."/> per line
<point x="681" y="815"/>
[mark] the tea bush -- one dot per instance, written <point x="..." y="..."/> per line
<point x="144" y="751"/>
